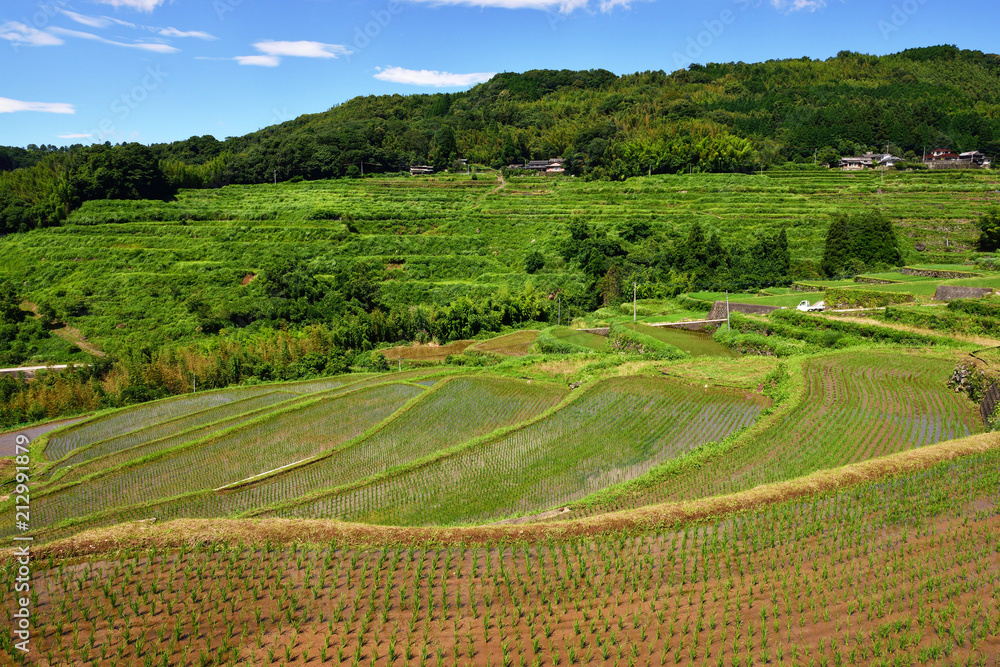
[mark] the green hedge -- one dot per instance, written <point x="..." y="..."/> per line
<point x="623" y="339"/>
<point x="818" y="330"/>
<point x="988" y="307"/>
<point x="546" y="343"/>
<point x="754" y="343"/>
<point x="839" y="297"/>
<point x="944" y="319"/>
<point x="696" y="305"/>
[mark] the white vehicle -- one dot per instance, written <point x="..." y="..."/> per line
<point x="806" y="307"/>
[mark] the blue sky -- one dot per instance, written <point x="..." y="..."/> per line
<point x="79" y="71"/>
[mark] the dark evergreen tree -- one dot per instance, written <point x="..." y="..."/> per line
<point x="989" y="231"/>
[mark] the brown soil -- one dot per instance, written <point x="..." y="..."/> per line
<point x="426" y="352"/>
<point x="776" y="591"/>
<point x="514" y="345"/>
<point x="247" y="279"/>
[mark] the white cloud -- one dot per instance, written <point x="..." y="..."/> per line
<point x="174" y="32"/>
<point x="89" y="21"/>
<point x="259" y="61"/>
<point x="155" y="47"/>
<point x="138" y="5"/>
<point x="562" y="6"/>
<point x="75" y="136"/>
<point x="274" y="50"/>
<point x="790" y="6"/>
<point x="23" y="35"/>
<point x="433" y="78"/>
<point x="302" y="49"/>
<point x="8" y="105"/>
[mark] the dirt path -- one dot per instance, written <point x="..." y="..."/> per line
<point x="74" y="336"/>
<point x="978" y="340"/>
<point x="502" y="184"/>
<point x="71" y="335"/>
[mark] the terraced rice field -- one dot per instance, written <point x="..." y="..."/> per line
<point x="151" y="435"/>
<point x="456" y="412"/>
<point x="695" y="343"/>
<point x="425" y="352"/>
<point x="235" y="454"/>
<point x="582" y="338"/>
<point x="853" y="407"/>
<point x="512" y="345"/>
<point x="135" y="419"/>
<point x="896" y="571"/>
<point x="615" y="432"/>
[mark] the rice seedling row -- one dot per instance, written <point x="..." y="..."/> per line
<point x="141" y="416"/>
<point x="904" y="570"/>
<point x="248" y="451"/>
<point x="617" y="431"/>
<point x="854" y="407"/>
<point x="461" y="410"/>
<point x="161" y="430"/>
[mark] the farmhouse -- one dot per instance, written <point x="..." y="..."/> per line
<point x="421" y="169"/>
<point x="553" y="166"/>
<point x="869" y="161"/>
<point x="943" y="158"/>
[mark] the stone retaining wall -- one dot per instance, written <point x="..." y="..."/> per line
<point x="951" y="292"/>
<point x="933" y="273"/>
<point x="875" y="281"/>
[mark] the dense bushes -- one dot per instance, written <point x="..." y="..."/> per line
<point x="623" y="339"/>
<point x="44" y="194"/>
<point x="848" y="297"/>
<point x="786" y="332"/>
<point x="546" y="343"/>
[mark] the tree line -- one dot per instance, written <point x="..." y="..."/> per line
<point x="732" y="117"/>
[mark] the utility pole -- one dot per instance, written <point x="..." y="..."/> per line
<point x="635" y="286"/>
<point x="559" y="304"/>
<point x="275" y="176"/>
<point x="815" y="156"/>
<point x="194" y="383"/>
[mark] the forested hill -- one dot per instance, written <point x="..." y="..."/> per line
<point x="716" y="117"/>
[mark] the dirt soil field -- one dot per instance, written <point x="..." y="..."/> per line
<point x="794" y="593"/>
<point x="426" y="352"/>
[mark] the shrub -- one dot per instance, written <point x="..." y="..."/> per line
<point x="841" y="297"/>
<point x="623" y="339"/>
<point x="546" y="343"/>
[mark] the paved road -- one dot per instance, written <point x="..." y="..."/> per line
<point x="8" y="440"/>
<point x="29" y="371"/>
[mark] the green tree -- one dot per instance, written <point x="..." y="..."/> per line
<point x="534" y="261"/>
<point x="129" y="171"/>
<point x="445" y="147"/>
<point x="989" y="231"/>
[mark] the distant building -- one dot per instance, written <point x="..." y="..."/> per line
<point x="421" y="169"/>
<point x="869" y="161"/>
<point x="553" y="166"/>
<point x="944" y="158"/>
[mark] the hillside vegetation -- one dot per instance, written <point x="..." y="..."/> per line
<point x="734" y="117"/>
